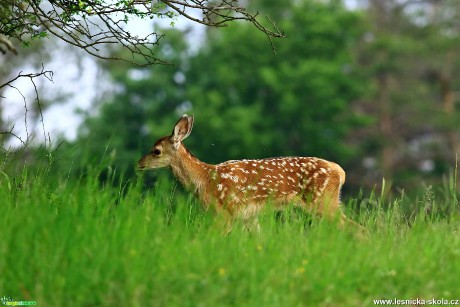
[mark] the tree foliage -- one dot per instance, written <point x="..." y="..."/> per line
<point x="281" y="104"/>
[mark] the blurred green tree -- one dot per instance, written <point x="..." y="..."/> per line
<point x="255" y="103"/>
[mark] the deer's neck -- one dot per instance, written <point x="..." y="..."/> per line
<point x="191" y="172"/>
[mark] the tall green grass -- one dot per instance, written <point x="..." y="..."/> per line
<point x="81" y="243"/>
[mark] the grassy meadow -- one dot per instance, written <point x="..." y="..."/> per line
<point x="79" y="243"/>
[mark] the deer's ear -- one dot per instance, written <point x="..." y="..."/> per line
<point x="182" y="130"/>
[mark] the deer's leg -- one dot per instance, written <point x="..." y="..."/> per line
<point x="330" y="208"/>
<point x="227" y="221"/>
<point x="327" y="207"/>
<point x="246" y="213"/>
<point x="327" y="204"/>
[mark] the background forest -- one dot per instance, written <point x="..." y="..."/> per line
<point x="372" y="87"/>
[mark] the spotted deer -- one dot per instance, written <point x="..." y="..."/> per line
<point x="243" y="187"/>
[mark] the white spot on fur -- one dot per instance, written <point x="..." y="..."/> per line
<point x="234" y="178"/>
<point x="325" y="184"/>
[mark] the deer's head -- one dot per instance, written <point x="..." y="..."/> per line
<point x="165" y="149"/>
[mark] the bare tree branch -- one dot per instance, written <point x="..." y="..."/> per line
<point x="10" y="132"/>
<point x="32" y="76"/>
<point x="46" y="73"/>
<point x="7" y="44"/>
<point x="96" y="25"/>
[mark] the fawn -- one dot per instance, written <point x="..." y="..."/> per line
<point x="243" y="187"/>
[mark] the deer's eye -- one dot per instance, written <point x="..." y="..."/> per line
<point x="156" y="152"/>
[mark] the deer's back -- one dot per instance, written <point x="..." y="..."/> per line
<point x="243" y="182"/>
